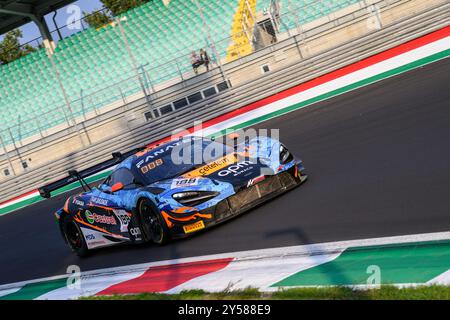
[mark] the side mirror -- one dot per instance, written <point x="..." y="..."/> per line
<point x="117" y="187"/>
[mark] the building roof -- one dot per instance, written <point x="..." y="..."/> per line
<point x="15" y="13"/>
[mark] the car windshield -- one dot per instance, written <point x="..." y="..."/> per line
<point x="177" y="158"/>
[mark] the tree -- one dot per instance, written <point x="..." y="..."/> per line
<point x="10" y="48"/>
<point x="113" y="8"/>
<point x="117" y="7"/>
<point x="97" y="19"/>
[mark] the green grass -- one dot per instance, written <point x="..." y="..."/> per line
<point x="325" y="293"/>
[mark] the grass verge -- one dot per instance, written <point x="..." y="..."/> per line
<point x="326" y="293"/>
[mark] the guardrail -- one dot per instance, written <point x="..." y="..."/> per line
<point x="246" y="93"/>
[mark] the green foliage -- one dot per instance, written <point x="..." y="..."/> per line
<point x="111" y="8"/>
<point x="10" y="48"/>
<point x="433" y="292"/>
<point x="117" y="7"/>
<point x="97" y="19"/>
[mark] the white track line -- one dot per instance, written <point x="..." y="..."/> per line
<point x="117" y="274"/>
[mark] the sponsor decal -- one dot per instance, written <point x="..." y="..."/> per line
<point x="98" y="218"/>
<point x="136" y="233"/>
<point x="237" y="169"/>
<point x="152" y="165"/>
<point x="181" y="183"/>
<point x="78" y="202"/>
<point x="90" y="237"/>
<point x="213" y="166"/>
<point x="124" y="218"/>
<point x="194" y="227"/>
<point x="155" y="154"/>
<point x="89" y="216"/>
<point x="99" y="201"/>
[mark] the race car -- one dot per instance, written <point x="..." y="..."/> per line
<point x="174" y="190"/>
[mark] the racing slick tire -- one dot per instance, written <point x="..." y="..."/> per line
<point x="153" y="223"/>
<point x="74" y="236"/>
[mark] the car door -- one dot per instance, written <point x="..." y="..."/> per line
<point x="120" y="201"/>
<point x="124" y="198"/>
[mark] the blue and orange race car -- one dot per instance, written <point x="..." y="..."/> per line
<point x="174" y="190"/>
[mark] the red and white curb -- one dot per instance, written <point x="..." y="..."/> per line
<point x="19" y="199"/>
<point x="212" y="273"/>
<point x="276" y="105"/>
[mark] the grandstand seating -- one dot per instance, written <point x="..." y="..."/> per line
<point x="95" y="63"/>
<point x="306" y="10"/>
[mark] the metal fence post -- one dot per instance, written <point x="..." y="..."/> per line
<point x="179" y="70"/>
<point x="134" y="65"/>
<point x="298" y="48"/>
<point x="65" y="115"/>
<point x="297" y="28"/>
<point x="147" y="83"/>
<point x="122" y="95"/>
<point x="82" y="104"/>
<point x="19" y="125"/>
<point x="66" y="98"/>
<point x="15" y="147"/>
<point x="38" y="124"/>
<point x="93" y="104"/>
<point x="295" y="16"/>
<point x="12" y="138"/>
<point x="147" y="75"/>
<point x="7" y="156"/>
<point x="210" y="39"/>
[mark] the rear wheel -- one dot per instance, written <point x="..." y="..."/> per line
<point x="154" y="225"/>
<point x="74" y="237"/>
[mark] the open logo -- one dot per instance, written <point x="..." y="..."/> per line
<point x="237" y="169"/>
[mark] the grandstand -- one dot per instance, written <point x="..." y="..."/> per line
<point x="115" y="115"/>
<point x="96" y="68"/>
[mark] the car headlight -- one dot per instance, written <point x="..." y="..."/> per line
<point x="193" y="198"/>
<point x="285" y="155"/>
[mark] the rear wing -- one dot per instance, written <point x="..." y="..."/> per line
<point x="74" y="175"/>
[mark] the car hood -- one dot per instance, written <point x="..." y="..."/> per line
<point x="249" y="161"/>
<point x="233" y="168"/>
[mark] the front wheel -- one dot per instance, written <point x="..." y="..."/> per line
<point x="153" y="223"/>
<point x="74" y="237"/>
